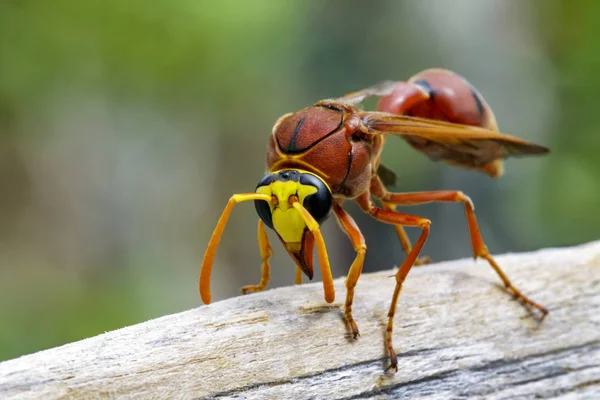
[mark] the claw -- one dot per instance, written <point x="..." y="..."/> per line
<point x="250" y="289"/>
<point x="353" y="328"/>
<point x="393" y="362"/>
<point x="423" y="260"/>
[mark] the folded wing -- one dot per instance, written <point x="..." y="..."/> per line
<point x="462" y="145"/>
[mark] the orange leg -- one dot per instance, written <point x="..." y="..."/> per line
<point x="403" y="237"/>
<point x="298" y="276"/>
<point x="358" y="241"/>
<point x="479" y="247"/>
<point x="313" y="226"/>
<point x="396" y="218"/>
<point x="209" y="255"/>
<point x="265" y="255"/>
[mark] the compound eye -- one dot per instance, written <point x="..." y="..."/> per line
<point x="317" y="204"/>
<point x="263" y="209"/>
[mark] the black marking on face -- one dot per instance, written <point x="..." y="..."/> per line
<point x="317" y="204"/>
<point x="283" y="175"/>
<point x="288" y="175"/>
<point x="263" y="209"/>
<point x="264" y="212"/>
<point x="266" y="180"/>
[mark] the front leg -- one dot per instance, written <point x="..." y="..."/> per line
<point x="211" y="250"/>
<point x="265" y="255"/>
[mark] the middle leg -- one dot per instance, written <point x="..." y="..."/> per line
<point x="396" y="218"/>
<point x="404" y="239"/>
<point x="358" y="241"/>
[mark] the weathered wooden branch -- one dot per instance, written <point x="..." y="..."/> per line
<point x="458" y="334"/>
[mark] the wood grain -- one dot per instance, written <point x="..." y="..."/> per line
<point x="457" y="333"/>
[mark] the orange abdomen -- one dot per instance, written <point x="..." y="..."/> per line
<point x="441" y="95"/>
<point x="445" y="96"/>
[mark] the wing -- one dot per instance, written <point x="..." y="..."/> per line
<point x="380" y="89"/>
<point x="464" y="145"/>
<point x="387" y="176"/>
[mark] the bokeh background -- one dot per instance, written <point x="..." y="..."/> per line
<point x="126" y="125"/>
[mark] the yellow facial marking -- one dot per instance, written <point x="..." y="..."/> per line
<point x="286" y="220"/>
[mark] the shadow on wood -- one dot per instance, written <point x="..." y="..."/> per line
<point x="457" y="334"/>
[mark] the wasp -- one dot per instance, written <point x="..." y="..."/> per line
<point x="330" y="152"/>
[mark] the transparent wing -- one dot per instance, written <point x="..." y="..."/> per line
<point x="380" y="89"/>
<point x="443" y="141"/>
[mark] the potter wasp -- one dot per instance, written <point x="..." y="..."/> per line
<point x="330" y="152"/>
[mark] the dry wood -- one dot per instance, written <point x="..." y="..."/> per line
<point x="458" y="334"/>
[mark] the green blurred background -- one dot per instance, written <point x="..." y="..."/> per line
<point x="126" y="125"/>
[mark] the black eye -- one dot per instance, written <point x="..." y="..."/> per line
<point x="262" y="207"/>
<point x="317" y="204"/>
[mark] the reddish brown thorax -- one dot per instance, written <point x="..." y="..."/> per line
<point x="323" y="140"/>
